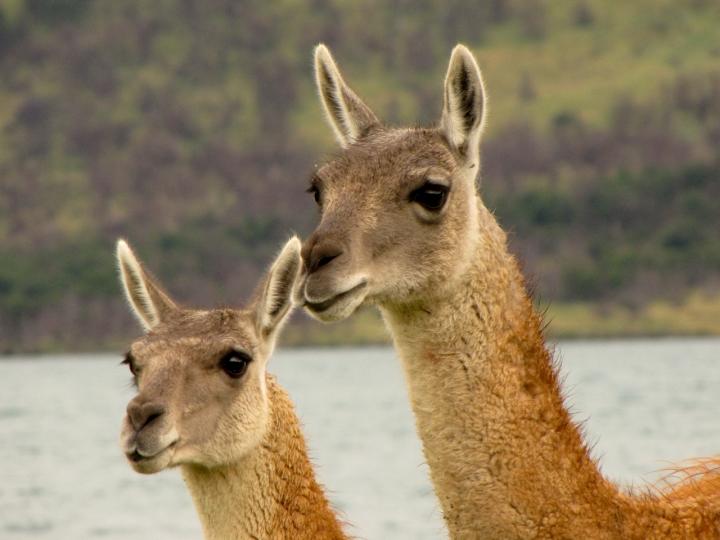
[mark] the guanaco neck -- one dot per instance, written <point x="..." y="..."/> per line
<point x="271" y="493"/>
<point x="504" y="455"/>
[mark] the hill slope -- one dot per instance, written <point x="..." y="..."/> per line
<point x="190" y="127"/>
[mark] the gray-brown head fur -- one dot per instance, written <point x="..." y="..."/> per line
<point x="399" y="207"/>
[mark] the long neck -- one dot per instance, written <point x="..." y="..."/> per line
<point x="271" y="493"/>
<point x="504" y="455"/>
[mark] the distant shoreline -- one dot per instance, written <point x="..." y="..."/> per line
<point x="698" y="315"/>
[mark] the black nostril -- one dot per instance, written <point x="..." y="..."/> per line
<point x="321" y="254"/>
<point x="151" y="418"/>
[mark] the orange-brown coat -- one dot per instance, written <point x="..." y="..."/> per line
<point x="403" y="228"/>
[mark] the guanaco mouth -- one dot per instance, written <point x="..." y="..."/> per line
<point x="319" y="307"/>
<point x="137" y="457"/>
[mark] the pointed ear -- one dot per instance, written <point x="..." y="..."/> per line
<point x="147" y="301"/>
<point x="349" y="117"/>
<point x="274" y="302"/>
<point x="464" y="110"/>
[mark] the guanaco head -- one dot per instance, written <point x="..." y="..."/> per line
<point x="399" y="211"/>
<point x="201" y="379"/>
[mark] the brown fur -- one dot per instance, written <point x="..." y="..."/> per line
<point x="236" y="439"/>
<point x="505" y="457"/>
<point x="272" y="493"/>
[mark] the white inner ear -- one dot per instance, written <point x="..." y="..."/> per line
<point x="336" y="110"/>
<point x="465" y="139"/>
<point x="454" y="126"/>
<point x="351" y="127"/>
<point x="337" y="116"/>
<point x="348" y="115"/>
<point x="136" y="291"/>
<point x="277" y="299"/>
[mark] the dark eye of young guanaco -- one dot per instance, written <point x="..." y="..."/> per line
<point x="129" y="361"/>
<point x="430" y="196"/>
<point x="235" y="363"/>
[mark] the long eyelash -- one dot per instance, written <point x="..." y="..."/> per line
<point x="315" y="184"/>
<point x="314" y="180"/>
<point x="314" y="189"/>
<point x="130" y="362"/>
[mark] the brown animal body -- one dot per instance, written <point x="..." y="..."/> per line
<point x="207" y="405"/>
<point x="404" y="229"/>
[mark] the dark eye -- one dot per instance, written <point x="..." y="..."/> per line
<point x="129" y="361"/>
<point x="430" y="196"/>
<point x="315" y="193"/>
<point x="235" y="363"/>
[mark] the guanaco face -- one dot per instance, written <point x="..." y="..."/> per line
<point x="400" y="215"/>
<point x="201" y="375"/>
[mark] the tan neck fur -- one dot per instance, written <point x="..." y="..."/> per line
<point x="504" y="455"/>
<point x="272" y="493"/>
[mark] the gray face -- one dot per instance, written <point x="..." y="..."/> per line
<point x="398" y="214"/>
<point x="202" y="399"/>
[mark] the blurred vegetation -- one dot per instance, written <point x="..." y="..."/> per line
<point x="190" y="127"/>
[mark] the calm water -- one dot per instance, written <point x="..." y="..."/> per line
<point x="62" y="475"/>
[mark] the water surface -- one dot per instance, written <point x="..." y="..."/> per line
<point x="62" y="475"/>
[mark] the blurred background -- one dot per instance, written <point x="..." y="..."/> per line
<point x="192" y="127"/>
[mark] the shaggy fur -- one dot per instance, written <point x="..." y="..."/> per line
<point x="505" y="457"/>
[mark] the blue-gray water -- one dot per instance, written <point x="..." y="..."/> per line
<point x="62" y="475"/>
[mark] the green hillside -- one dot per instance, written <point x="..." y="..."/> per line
<point x="190" y="127"/>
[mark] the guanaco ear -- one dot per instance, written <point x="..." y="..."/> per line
<point x="148" y="302"/>
<point x="274" y="302"/>
<point x="463" y="116"/>
<point x="349" y="117"/>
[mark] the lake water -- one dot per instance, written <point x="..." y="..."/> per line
<point x="62" y="475"/>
